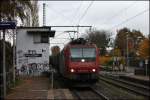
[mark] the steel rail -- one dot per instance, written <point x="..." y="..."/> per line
<point x="121" y="85"/>
<point x="128" y="83"/>
<point x="77" y="94"/>
<point x="100" y="94"/>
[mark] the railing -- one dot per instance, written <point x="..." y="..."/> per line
<point x="9" y="81"/>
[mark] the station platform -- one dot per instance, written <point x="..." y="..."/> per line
<point x="140" y="77"/>
<point x="37" y="88"/>
<point x="30" y="88"/>
<point x="130" y="72"/>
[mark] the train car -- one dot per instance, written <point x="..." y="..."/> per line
<point x="79" y="61"/>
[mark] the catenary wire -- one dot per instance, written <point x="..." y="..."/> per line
<point x="129" y="19"/>
<point x="85" y="12"/>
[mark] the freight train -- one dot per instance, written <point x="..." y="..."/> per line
<point x="78" y="62"/>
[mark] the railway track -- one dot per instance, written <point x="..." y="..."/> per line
<point x="130" y="86"/>
<point x="90" y="93"/>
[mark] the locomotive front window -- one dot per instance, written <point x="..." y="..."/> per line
<point x="76" y="52"/>
<point x="83" y="53"/>
<point x="89" y="53"/>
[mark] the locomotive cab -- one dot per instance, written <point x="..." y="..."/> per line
<point x="80" y="61"/>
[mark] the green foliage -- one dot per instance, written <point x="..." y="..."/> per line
<point x="110" y="63"/>
<point x="9" y="63"/>
<point x="9" y="56"/>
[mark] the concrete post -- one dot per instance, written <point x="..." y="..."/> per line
<point x="14" y="56"/>
<point x="127" y="51"/>
<point x="4" y="66"/>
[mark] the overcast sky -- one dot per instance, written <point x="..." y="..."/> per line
<point x="108" y="15"/>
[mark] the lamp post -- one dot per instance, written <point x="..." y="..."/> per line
<point x="113" y="46"/>
<point x="4" y="65"/>
<point x="127" y="51"/>
<point x="146" y="63"/>
<point x="138" y="40"/>
<point x="114" y="54"/>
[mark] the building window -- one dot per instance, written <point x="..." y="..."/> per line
<point x="44" y="38"/>
<point x="36" y="38"/>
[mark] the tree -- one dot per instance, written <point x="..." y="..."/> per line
<point x="9" y="63"/>
<point x="35" y="17"/>
<point x="14" y="8"/>
<point x="55" y="50"/>
<point x="117" y="52"/>
<point x="144" y="48"/>
<point x="133" y="40"/>
<point x="100" y="38"/>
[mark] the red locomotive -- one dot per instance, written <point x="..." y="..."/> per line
<point x="78" y="61"/>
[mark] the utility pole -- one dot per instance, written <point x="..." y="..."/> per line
<point x="77" y="31"/>
<point x="73" y="26"/>
<point x="127" y="51"/>
<point x="114" y="58"/>
<point x="146" y="63"/>
<point x="52" y="74"/>
<point x="44" y="14"/>
<point x="4" y="65"/>
<point x="4" y="26"/>
<point x="14" y="57"/>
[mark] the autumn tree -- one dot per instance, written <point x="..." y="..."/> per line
<point x="117" y="52"/>
<point x="134" y="37"/>
<point x="55" y="50"/>
<point x="144" y="49"/>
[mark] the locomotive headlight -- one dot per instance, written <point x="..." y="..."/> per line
<point x="93" y="70"/>
<point x="82" y="60"/>
<point x="72" y="70"/>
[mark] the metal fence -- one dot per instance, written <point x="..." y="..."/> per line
<point x="9" y="82"/>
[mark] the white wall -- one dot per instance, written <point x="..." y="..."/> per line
<point x="24" y="42"/>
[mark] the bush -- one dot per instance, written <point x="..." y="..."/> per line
<point x="110" y="63"/>
<point x="103" y="60"/>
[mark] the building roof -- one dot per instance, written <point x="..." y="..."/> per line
<point x="39" y="30"/>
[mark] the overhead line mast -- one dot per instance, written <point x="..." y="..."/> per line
<point x="73" y="31"/>
<point x="44" y="14"/>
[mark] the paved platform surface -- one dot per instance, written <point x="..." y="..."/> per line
<point x="140" y="77"/>
<point x="37" y="88"/>
<point x="31" y="88"/>
<point x="129" y="72"/>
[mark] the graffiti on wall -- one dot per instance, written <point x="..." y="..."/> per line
<point x="34" y="68"/>
<point x="28" y="68"/>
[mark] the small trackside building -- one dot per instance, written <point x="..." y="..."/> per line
<point x="32" y="50"/>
